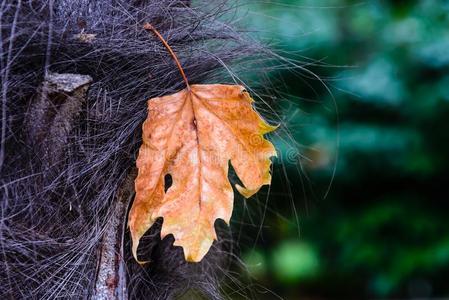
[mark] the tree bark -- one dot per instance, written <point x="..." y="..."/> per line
<point x="51" y="118"/>
<point x="110" y="282"/>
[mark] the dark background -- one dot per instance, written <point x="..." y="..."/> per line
<point x="379" y="229"/>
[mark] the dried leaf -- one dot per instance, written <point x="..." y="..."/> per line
<point x="192" y="135"/>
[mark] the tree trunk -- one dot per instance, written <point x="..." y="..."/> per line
<point x="51" y="118"/>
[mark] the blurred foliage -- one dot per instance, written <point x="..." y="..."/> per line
<point x="379" y="141"/>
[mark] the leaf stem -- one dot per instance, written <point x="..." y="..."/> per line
<point x="149" y="27"/>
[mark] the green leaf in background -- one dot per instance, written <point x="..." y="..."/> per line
<point x="293" y="261"/>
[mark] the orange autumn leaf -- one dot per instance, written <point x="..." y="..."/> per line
<point x="193" y="135"/>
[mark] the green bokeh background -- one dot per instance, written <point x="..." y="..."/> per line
<point x="381" y="231"/>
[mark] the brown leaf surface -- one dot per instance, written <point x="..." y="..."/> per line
<point x="192" y="135"/>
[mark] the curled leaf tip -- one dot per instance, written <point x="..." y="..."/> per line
<point x="134" y="252"/>
<point x="245" y="192"/>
